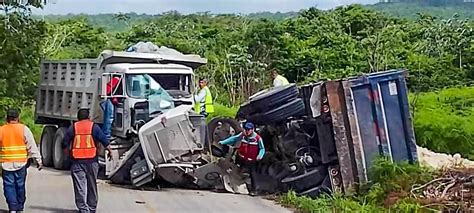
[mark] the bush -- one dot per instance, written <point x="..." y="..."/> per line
<point x="27" y="116"/>
<point x="443" y="120"/>
<point x="221" y="110"/>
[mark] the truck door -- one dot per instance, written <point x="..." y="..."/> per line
<point x="113" y="89"/>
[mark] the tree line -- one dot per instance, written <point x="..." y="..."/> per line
<point x="313" y="45"/>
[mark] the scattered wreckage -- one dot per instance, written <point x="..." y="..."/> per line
<point x="320" y="137"/>
<point x="452" y="190"/>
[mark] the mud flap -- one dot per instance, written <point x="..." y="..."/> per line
<point x="221" y="175"/>
<point x="177" y="174"/>
<point x="130" y="169"/>
<point x="232" y="178"/>
<point x="209" y="176"/>
<point x="231" y="184"/>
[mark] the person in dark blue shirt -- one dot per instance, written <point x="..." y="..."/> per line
<point x="82" y="140"/>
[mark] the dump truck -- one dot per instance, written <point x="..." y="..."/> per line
<point x="320" y="138"/>
<point x="323" y="137"/>
<point x="154" y="121"/>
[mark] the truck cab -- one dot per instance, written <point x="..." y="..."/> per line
<point x="145" y="91"/>
<point x="149" y="84"/>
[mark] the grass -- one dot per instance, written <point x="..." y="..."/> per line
<point x="221" y="110"/>
<point x="443" y="120"/>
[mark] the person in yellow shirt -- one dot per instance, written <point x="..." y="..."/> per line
<point x="203" y="99"/>
<point x="17" y="144"/>
<point x="278" y="80"/>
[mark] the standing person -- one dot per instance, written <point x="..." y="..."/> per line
<point x="108" y="106"/>
<point x="278" y="80"/>
<point x="17" y="144"/>
<point x="203" y="100"/>
<point x="250" y="151"/>
<point x="84" y="135"/>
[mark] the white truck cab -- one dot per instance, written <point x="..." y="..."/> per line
<point x="149" y="85"/>
<point x="146" y="90"/>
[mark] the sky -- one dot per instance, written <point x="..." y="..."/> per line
<point x="187" y="6"/>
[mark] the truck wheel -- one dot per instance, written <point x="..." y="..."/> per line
<point x="219" y="129"/>
<point x="244" y="110"/>
<point x="46" y="145"/>
<point x="325" y="188"/>
<point x="293" y="108"/>
<point x="268" y="99"/>
<point x="60" y="159"/>
<point x="307" y="180"/>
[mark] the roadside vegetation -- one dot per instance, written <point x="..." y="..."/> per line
<point x="443" y="120"/>
<point x="394" y="187"/>
<point x="306" y="47"/>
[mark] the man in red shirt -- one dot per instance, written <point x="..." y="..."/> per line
<point x="108" y="106"/>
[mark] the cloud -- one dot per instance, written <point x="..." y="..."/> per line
<point x="188" y="6"/>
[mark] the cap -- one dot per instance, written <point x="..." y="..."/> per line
<point x="249" y="125"/>
<point x="13" y="113"/>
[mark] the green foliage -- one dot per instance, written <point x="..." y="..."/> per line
<point x="443" y="120"/>
<point x="313" y="45"/>
<point x="325" y="204"/>
<point x="21" y="39"/>
<point x="223" y="111"/>
<point x="123" y="21"/>
<point x="410" y="10"/>
<point x="74" y="38"/>
<point x="397" y="177"/>
<point x="27" y="115"/>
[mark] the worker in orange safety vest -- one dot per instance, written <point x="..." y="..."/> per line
<point x="17" y="144"/>
<point x="84" y="135"/>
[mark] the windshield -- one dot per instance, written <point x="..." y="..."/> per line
<point x="174" y="81"/>
<point x="143" y="86"/>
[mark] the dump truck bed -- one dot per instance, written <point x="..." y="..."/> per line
<point x="65" y="86"/>
<point x="370" y="117"/>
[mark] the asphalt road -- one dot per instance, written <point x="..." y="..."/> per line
<point x="51" y="191"/>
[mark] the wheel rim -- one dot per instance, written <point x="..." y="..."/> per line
<point x="223" y="131"/>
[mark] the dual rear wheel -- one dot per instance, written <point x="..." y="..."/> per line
<point x="51" y="149"/>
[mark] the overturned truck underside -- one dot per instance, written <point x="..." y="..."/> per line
<point x="319" y="138"/>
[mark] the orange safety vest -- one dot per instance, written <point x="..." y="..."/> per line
<point x="12" y="143"/>
<point x="84" y="145"/>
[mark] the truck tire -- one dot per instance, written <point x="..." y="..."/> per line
<point x="315" y="192"/>
<point x="60" y="159"/>
<point x="46" y="145"/>
<point x="244" y="110"/>
<point x="293" y="108"/>
<point x="268" y="99"/>
<point x="219" y="129"/>
<point x="307" y="180"/>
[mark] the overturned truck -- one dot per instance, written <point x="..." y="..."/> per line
<point x="324" y="136"/>
<point x="320" y="137"/>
